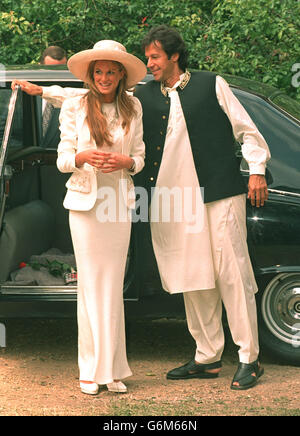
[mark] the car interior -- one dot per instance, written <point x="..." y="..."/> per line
<point x="34" y="221"/>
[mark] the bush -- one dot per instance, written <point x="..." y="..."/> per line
<point x="257" y="39"/>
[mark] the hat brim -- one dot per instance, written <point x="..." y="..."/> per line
<point x="135" y="68"/>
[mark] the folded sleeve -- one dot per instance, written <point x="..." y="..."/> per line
<point x="254" y="147"/>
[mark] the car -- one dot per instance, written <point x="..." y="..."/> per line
<point x="35" y="232"/>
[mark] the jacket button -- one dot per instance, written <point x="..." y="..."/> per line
<point x="158" y="147"/>
<point x="155" y="164"/>
<point x="151" y="179"/>
<point x="164" y="117"/>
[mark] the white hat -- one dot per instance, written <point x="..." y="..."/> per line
<point x="109" y="51"/>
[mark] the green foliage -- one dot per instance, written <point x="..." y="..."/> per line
<point x="257" y="39"/>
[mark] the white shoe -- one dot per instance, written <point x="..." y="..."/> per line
<point x="117" y="387"/>
<point x="89" y="388"/>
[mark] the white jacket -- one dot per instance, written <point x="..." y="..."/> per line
<point x="75" y="137"/>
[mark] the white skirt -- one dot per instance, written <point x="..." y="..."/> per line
<point x="101" y="251"/>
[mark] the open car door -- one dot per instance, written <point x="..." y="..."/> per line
<point x="6" y="171"/>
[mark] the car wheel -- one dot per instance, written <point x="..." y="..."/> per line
<point x="279" y="310"/>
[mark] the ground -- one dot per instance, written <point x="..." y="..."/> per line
<point x="39" y="376"/>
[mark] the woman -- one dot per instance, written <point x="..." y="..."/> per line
<point x="102" y="145"/>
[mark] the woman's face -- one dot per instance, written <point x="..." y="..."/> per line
<point x="107" y="75"/>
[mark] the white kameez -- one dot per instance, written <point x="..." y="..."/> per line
<point x="183" y="254"/>
<point x="101" y="251"/>
<point x="189" y="260"/>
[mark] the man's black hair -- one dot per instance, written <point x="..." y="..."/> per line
<point x="171" y="42"/>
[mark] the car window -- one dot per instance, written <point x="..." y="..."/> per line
<point x="288" y="104"/>
<point x="16" y="138"/>
<point x="49" y="134"/>
<point x="282" y="135"/>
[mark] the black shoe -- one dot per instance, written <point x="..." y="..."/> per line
<point x="247" y="375"/>
<point x="194" y="370"/>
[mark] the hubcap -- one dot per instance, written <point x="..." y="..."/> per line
<point x="281" y="308"/>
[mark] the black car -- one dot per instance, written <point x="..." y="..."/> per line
<point x="35" y="232"/>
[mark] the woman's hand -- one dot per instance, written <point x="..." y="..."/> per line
<point x="29" y="88"/>
<point x="92" y="157"/>
<point x="116" y="162"/>
<point x="106" y="162"/>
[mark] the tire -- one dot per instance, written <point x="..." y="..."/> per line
<point x="279" y="317"/>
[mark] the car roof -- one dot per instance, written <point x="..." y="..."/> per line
<point x="59" y="73"/>
<point x="40" y="73"/>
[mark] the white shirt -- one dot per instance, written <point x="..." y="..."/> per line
<point x="187" y="252"/>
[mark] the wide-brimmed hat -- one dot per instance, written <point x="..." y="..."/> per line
<point x="110" y="51"/>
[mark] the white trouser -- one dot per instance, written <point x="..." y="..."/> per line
<point x="235" y="286"/>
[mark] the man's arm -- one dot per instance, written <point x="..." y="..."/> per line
<point x="254" y="147"/>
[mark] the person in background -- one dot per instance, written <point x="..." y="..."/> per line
<point x="54" y="55"/>
<point x="50" y="136"/>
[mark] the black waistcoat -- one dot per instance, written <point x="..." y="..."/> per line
<point x="209" y="130"/>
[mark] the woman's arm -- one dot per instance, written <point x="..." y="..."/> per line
<point x="55" y="94"/>
<point x="137" y="150"/>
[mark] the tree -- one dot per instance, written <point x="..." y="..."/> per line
<point x="257" y="39"/>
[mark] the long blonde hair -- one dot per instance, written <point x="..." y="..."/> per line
<point x="96" y="119"/>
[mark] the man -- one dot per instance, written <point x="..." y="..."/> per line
<point x="54" y="55"/>
<point x="189" y="123"/>
<point x="50" y="135"/>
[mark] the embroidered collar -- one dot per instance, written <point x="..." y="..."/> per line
<point x="185" y="80"/>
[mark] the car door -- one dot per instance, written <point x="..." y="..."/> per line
<point x="8" y="100"/>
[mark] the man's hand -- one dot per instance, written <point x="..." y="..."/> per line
<point x="257" y="190"/>
<point x="29" y="88"/>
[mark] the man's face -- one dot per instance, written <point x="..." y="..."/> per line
<point x="159" y="64"/>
